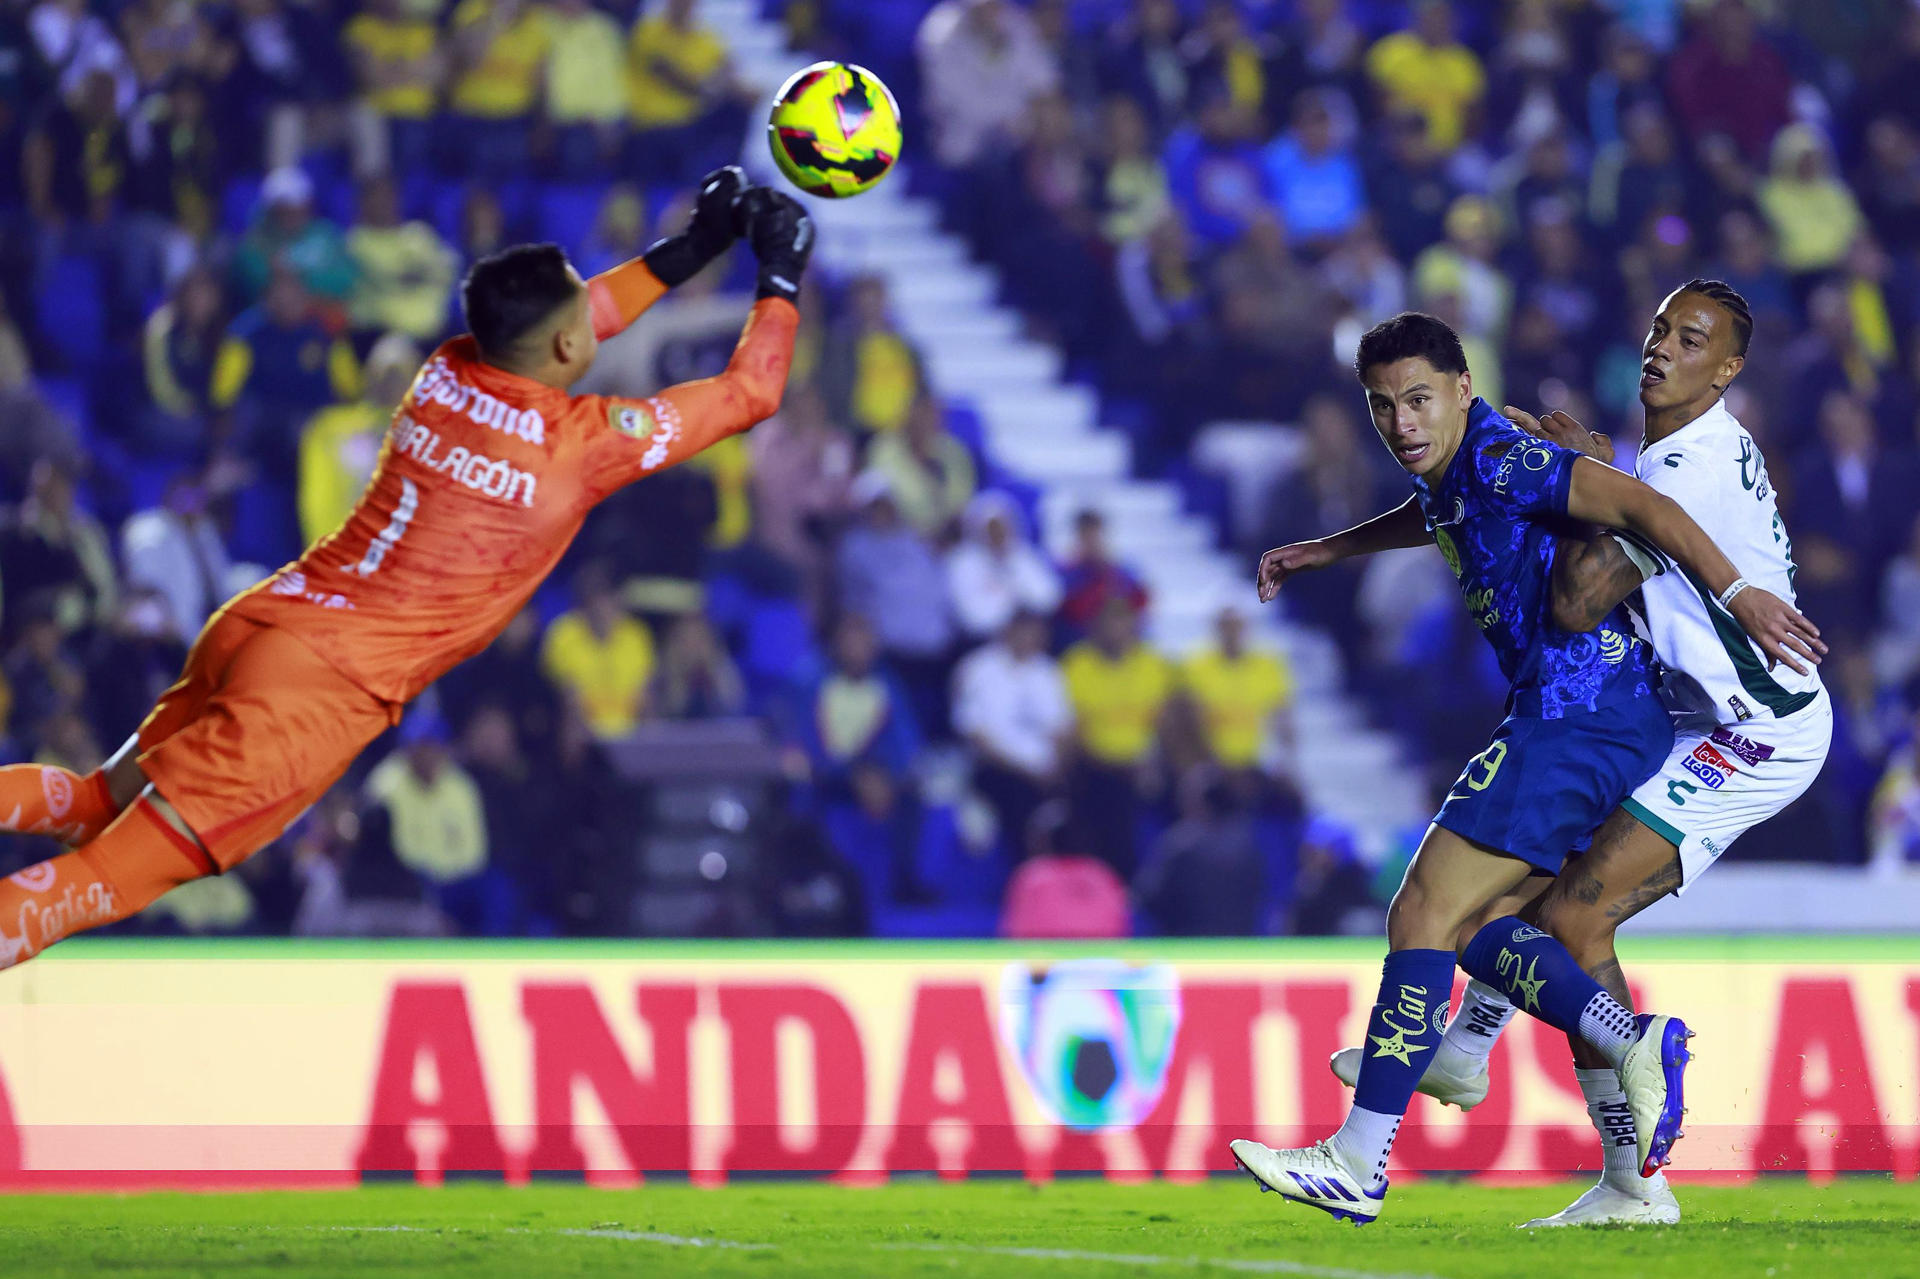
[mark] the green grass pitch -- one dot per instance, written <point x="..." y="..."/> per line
<point x="1859" y="1228"/>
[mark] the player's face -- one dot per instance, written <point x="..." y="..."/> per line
<point x="1420" y="412"/>
<point x="575" y="336"/>
<point x="1688" y="355"/>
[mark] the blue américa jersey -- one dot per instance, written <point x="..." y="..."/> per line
<point x="1492" y="515"/>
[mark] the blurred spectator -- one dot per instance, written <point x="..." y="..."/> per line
<point x="1894" y="819"/>
<point x="994" y="572"/>
<point x="287" y="235"/>
<point x="1313" y="172"/>
<point x="599" y="657"/>
<point x="1243" y="698"/>
<point x="1852" y="511"/>
<point x="1120" y="689"/>
<point x="619" y="231"/>
<point x="1826" y="357"/>
<point x="499" y="52"/>
<point x="439" y="827"/>
<point x="36" y="430"/>
<point x="1897" y="648"/>
<point x="76" y="43"/>
<point x="587" y="95"/>
<point x="1093" y="578"/>
<point x="697" y="679"/>
<point x="890" y="576"/>
<point x="929" y="473"/>
<point x="1890" y="184"/>
<point x="816" y="893"/>
<point x="1429" y="70"/>
<point x="181" y="339"/>
<point x="1158" y="352"/>
<point x="1366" y="276"/>
<point x="1331" y="43"/>
<point x="1333" y="895"/>
<point x="1746" y="262"/>
<point x="963" y="45"/>
<point x="1204" y="876"/>
<point x="276" y="367"/>
<point x="340" y="444"/>
<point x="1408" y="185"/>
<point x="509" y="673"/>
<point x="869" y="372"/>
<point x="400" y="66"/>
<point x="1642" y="172"/>
<point x="175" y="550"/>
<point x="1466" y="266"/>
<point x="802" y="466"/>
<point x="1142" y="63"/>
<point x="52" y="549"/>
<point x="1275" y="322"/>
<point x="520" y="815"/>
<point x="685" y="105"/>
<point x="1059" y="891"/>
<point x="403" y="271"/>
<point x="1813" y="215"/>
<point x="132" y="661"/>
<point x="862" y="739"/>
<point x="181" y="166"/>
<point x="1133" y="195"/>
<point x="352" y="883"/>
<point x="1223" y="55"/>
<point x="483" y="226"/>
<point x="1010" y="705"/>
<point x="44" y="672"/>
<point x="1627" y="82"/>
<point x="1726" y="79"/>
<point x="1215" y="172"/>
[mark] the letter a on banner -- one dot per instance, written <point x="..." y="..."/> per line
<point x="9" y="1134"/>
<point x="1818" y="1018"/>
<point x="429" y="1020"/>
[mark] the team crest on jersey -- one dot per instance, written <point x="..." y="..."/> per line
<point x="1447" y="550"/>
<point x="631" y="420"/>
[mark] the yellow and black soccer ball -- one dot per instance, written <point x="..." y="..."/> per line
<point x="834" y="129"/>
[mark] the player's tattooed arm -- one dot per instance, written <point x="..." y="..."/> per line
<point x="1589" y="579"/>
<point x="1404" y="525"/>
<point x="1602" y="495"/>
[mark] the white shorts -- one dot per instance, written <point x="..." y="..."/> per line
<point x="1719" y="783"/>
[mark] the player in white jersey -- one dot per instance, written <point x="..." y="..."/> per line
<point x="1752" y="734"/>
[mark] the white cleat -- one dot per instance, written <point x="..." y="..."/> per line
<point x="1313" y="1175"/>
<point x="1607" y="1204"/>
<point x="1653" y="1074"/>
<point x="1464" y="1091"/>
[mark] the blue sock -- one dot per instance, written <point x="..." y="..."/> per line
<point x="1541" y="977"/>
<point x="1407" y="1022"/>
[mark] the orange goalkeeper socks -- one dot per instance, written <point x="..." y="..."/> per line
<point x="137" y="858"/>
<point x="40" y="799"/>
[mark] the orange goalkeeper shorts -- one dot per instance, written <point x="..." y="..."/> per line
<point x="258" y="727"/>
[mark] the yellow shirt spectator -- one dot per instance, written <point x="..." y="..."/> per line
<point x="886" y="380"/>
<point x="338" y="449"/>
<point x="1117" y="702"/>
<point x="405" y="278"/>
<point x="729" y="464"/>
<point x="586" y="72"/>
<point x="502" y="80"/>
<point x="663" y="60"/>
<point x="439" y="825"/>
<point x="607" y="678"/>
<point x="1441" y="83"/>
<point x="1237" y="698"/>
<point x="388" y="49"/>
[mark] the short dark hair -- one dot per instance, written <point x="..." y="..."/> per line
<point x="506" y="294"/>
<point x="1410" y="335"/>
<point x="1735" y="305"/>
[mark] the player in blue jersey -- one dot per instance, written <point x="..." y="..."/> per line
<point x="1583" y="729"/>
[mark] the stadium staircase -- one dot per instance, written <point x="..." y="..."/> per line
<point x="1045" y="431"/>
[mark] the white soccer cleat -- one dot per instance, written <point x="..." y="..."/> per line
<point x="1464" y="1091"/>
<point x="1652" y="1075"/>
<point x="1607" y="1204"/>
<point x="1313" y="1175"/>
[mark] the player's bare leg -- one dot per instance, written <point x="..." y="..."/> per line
<point x="145" y="851"/>
<point x="45" y="799"/>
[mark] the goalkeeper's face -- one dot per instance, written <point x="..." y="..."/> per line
<point x="574" y="343"/>
<point x="1420" y="412"/>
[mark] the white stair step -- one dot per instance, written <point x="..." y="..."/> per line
<point x="966" y="287"/>
<point x="1001" y="365"/>
<point x="1096" y="457"/>
<point x="1137" y="499"/>
<point x="1043" y="412"/>
<point x="932" y="326"/>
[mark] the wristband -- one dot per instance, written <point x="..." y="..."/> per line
<point x="1733" y="588"/>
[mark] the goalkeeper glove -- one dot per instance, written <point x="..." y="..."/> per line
<point x="710" y="232"/>
<point x="781" y="234"/>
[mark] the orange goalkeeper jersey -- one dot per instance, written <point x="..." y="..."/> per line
<point x="483" y="481"/>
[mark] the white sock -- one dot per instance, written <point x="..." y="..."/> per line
<point x="1364" y="1142"/>
<point x="1607" y="1108"/>
<point x="1609" y="1027"/>
<point x="1484" y="1013"/>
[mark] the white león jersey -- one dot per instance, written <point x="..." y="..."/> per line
<point x="1712" y="468"/>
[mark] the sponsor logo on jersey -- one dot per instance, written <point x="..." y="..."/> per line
<point x="487" y="476"/>
<point x="631" y="420"/>
<point x="293" y="583"/>
<point x="662" y="439"/>
<point x="1705" y="771"/>
<point x="1741" y="711"/>
<point x="1745" y="749"/>
<point x="438" y="385"/>
<point x="57" y="790"/>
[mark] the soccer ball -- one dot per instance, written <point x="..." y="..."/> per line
<point x="834" y="130"/>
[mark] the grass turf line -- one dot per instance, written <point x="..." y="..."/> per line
<point x="1859" y="1227"/>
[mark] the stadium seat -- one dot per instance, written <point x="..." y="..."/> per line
<point x="70" y="308"/>
<point x="565" y="212"/>
<point x="778" y="646"/>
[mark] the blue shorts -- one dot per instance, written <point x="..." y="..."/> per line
<point x="1542" y="785"/>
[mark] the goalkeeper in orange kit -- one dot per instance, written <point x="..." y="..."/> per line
<point x="487" y="472"/>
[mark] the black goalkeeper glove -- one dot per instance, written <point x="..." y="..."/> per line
<point x="781" y="234"/>
<point x="710" y="232"/>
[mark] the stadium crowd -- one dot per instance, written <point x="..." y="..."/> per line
<point x="230" y="232"/>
